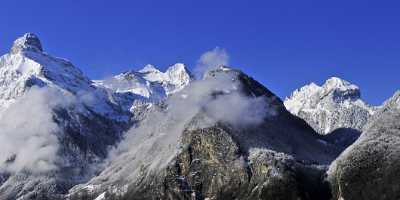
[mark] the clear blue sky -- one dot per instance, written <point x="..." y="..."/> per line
<point x="284" y="44"/>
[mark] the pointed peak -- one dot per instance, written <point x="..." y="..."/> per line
<point x="177" y="67"/>
<point x="341" y="89"/>
<point x="338" y="83"/>
<point x="149" y="68"/>
<point x="28" y="42"/>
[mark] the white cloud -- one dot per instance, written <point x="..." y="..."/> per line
<point x="28" y="138"/>
<point x="211" y="60"/>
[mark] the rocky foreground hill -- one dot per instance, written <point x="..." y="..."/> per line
<point x="370" y="168"/>
<point x="149" y="134"/>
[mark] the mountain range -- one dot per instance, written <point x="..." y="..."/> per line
<point x="149" y="134"/>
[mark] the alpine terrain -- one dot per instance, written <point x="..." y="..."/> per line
<point x="49" y="108"/>
<point x="151" y="134"/>
<point x="334" y="109"/>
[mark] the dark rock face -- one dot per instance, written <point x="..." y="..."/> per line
<point x="213" y="166"/>
<point x="370" y="168"/>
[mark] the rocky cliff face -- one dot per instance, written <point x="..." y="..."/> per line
<point x="369" y="169"/>
<point x="217" y="158"/>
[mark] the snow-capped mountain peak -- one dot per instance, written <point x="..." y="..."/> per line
<point x="28" y="42"/>
<point x="149" y="69"/>
<point x="149" y="82"/>
<point x="175" y="70"/>
<point x="342" y="89"/>
<point x="49" y="105"/>
<point x="177" y="77"/>
<point x="27" y="65"/>
<point x="334" y="88"/>
<point x="338" y="83"/>
<point x="137" y="90"/>
<point x="300" y="98"/>
<point x="174" y="79"/>
<point x="27" y="59"/>
<point x="337" y="103"/>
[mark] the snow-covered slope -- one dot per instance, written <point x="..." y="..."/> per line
<point x="52" y="119"/>
<point x="335" y="104"/>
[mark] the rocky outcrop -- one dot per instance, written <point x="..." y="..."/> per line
<point x="369" y="169"/>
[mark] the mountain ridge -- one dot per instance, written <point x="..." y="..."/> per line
<point x="149" y="134"/>
<point x="335" y="104"/>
